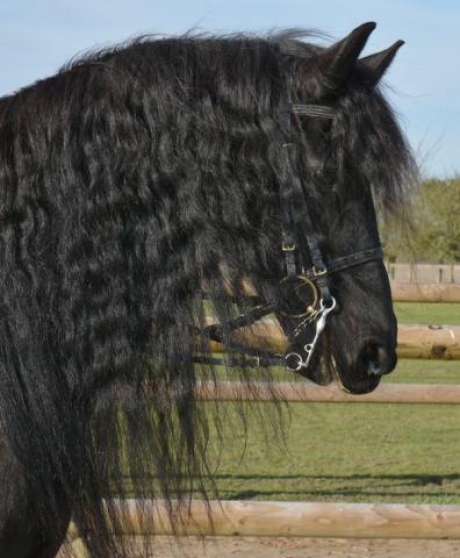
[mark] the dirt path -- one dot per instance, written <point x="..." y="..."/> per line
<point x="264" y="547"/>
<point x="225" y="547"/>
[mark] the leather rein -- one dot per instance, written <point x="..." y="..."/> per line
<point x="314" y="279"/>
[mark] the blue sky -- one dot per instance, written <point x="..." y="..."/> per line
<point x="38" y="36"/>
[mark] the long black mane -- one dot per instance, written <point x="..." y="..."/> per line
<point x="128" y="181"/>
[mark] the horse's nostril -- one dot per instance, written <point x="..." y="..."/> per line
<point x="376" y="360"/>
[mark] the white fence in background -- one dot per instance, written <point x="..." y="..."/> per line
<point x="424" y="273"/>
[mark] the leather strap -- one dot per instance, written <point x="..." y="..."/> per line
<point x="357" y="258"/>
<point x="244" y="362"/>
<point x="315" y="254"/>
<point x="216" y="331"/>
<point x="345" y="262"/>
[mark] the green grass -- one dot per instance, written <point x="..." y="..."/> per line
<point x="353" y="452"/>
<point x="408" y="371"/>
<point x="356" y="452"/>
<point x="443" y="313"/>
<point x="426" y="372"/>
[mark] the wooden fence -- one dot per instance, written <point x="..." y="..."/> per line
<point x="307" y="392"/>
<point x="414" y="341"/>
<point x="317" y="519"/>
<point x="424" y="273"/>
<point x="413" y="292"/>
<point x="288" y="519"/>
<point x="401" y="291"/>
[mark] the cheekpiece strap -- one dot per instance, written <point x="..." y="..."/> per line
<point x="321" y="276"/>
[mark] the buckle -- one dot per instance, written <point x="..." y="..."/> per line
<point x="288" y="246"/>
<point x="319" y="272"/>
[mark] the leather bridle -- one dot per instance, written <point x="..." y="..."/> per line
<point x="315" y="278"/>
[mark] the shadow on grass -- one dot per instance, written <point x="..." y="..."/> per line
<point x="420" y="480"/>
<point x="333" y="494"/>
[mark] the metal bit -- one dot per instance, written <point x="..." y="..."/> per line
<point x="309" y="348"/>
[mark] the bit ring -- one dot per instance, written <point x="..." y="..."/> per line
<point x="299" y="364"/>
<point x="309" y="311"/>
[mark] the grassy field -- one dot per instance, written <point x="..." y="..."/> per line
<point x="355" y="452"/>
<point x="443" y="313"/>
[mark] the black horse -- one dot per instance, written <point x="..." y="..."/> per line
<point x="138" y="187"/>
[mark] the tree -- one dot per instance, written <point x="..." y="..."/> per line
<point x="435" y="232"/>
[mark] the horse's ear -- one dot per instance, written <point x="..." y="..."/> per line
<point x="338" y="61"/>
<point x="377" y="64"/>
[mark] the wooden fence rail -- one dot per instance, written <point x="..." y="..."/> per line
<point x="290" y="519"/>
<point x="429" y="342"/>
<point x="414" y="341"/>
<point x="413" y="292"/>
<point x="308" y="392"/>
<point x="401" y="291"/>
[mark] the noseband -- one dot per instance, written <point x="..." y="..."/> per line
<point x="313" y="281"/>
